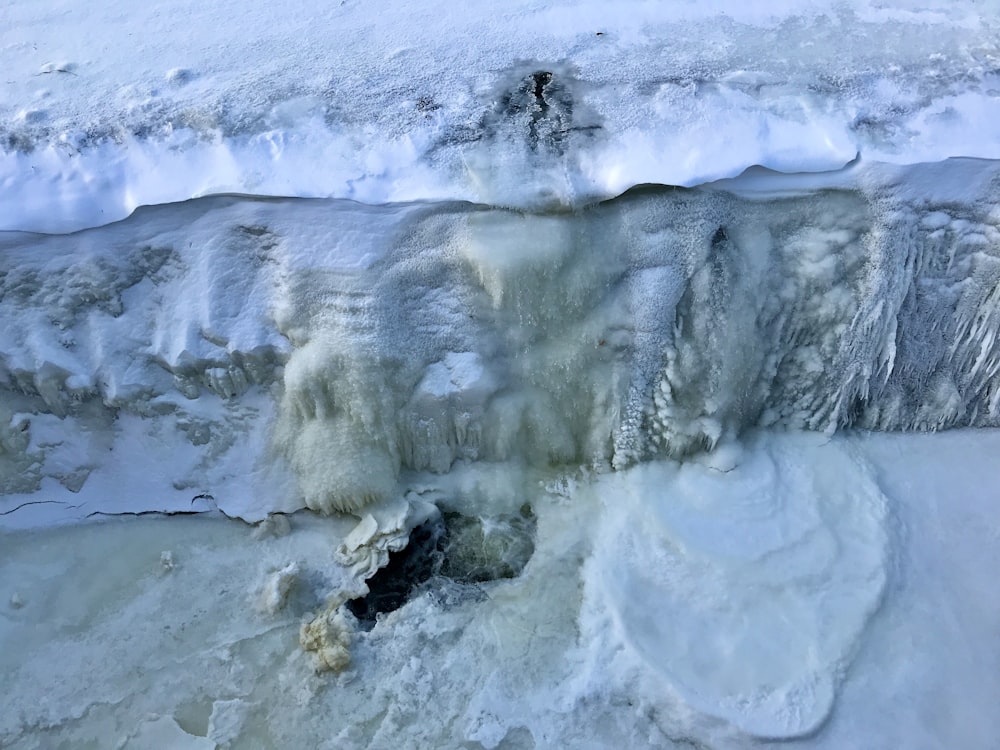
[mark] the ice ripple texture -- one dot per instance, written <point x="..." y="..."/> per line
<point x="764" y="576"/>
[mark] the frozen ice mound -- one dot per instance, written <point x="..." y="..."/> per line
<point x="747" y="590"/>
<point x="341" y="344"/>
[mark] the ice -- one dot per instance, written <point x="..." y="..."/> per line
<point x="278" y="585"/>
<point x="763" y="577"/>
<point x="344" y="344"/>
<point x="663" y="605"/>
<point x="638" y="373"/>
<point x="550" y="377"/>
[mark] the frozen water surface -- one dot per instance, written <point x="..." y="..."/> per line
<point x="651" y="614"/>
<point x="546" y="378"/>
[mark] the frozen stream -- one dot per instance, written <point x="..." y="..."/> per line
<point x="664" y="455"/>
<point x="576" y="375"/>
<point x="590" y="647"/>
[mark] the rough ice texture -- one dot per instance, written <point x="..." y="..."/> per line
<point x="544" y="104"/>
<point x="669" y="605"/>
<point x="345" y="343"/>
<point x="276" y="588"/>
<point x="328" y="637"/>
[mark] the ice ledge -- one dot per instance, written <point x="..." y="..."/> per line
<point x="55" y="191"/>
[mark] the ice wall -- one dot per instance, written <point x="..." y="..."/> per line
<point x="345" y="343"/>
<point x="545" y="104"/>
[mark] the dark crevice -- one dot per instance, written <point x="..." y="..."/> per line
<point x="450" y="549"/>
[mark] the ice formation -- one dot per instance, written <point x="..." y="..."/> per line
<point x="765" y="577"/>
<point x="365" y="341"/>
<point x="328" y="637"/>
<point x="640" y="311"/>
<point x="276" y="588"/>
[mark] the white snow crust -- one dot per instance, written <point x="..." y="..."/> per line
<point x="106" y="107"/>
<point x="687" y="284"/>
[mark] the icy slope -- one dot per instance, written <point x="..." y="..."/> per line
<point x="106" y="107"/>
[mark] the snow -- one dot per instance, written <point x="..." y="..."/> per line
<point x="858" y="568"/>
<point x="107" y="107"/>
<point x="709" y="291"/>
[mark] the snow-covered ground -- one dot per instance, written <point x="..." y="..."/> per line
<point x="668" y="329"/>
<point x="106" y="106"/>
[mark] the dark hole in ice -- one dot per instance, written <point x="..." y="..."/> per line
<point x="449" y="549"/>
<point x="391" y="587"/>
<point x="542" y="79"/>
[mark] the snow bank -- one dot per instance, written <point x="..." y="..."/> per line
<point x="541" y="105"/>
